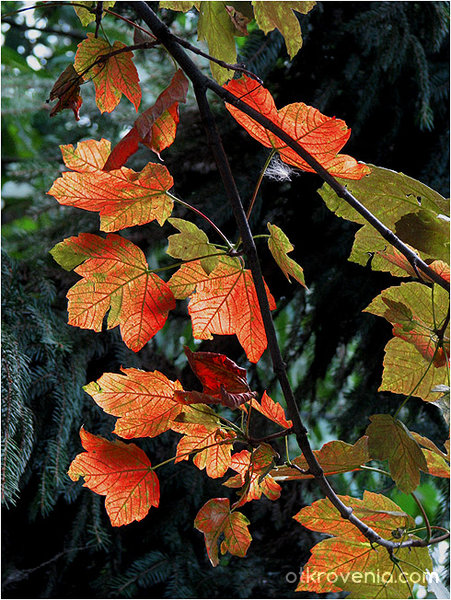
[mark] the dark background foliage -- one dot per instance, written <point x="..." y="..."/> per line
<point x="381" y="66"/>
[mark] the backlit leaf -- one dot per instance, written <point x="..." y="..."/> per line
<point x="389" y="196"/>
<point x="350" y="565"/>
<point x="323" y="137"/>
<point x="279" y="245"/>
<point x="412" y="308"/>
<point x="253" y="474"/>
<point x="184" y="281"/>
<point x="334" y="457"/>
<point x="271" y="410"/>
<point x="115" y="277"/>
<point x="156" y="127"/>
<point x="85" y="15"/>
<point x="397" y="264"/>
<point x="280" y="15"/>
<point x="216" y="519"/>
<point x="211" y="445"/>
<point x="122" y="197"/>
<point x="112" y="77"/>
<point x="389" y="439"/>
<point x="67" y="90"/>
<point x="375" y="510"/>
<point x="121" y="472"/>
<point x="437" y="461"/>
<point x="406" y="371"/>
<point x="191" y="243"/>
<point x="226" y="304"/>
<point x="143" y="401"/>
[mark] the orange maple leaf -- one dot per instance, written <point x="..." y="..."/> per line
<point x="123" y="197"/>
<point x="116" y="277"/>
<point x="156" y="127"/>
<point x="121" y="472"/>
<point x="253" y="473"/>
<point x="272" y="411"/>
<point x="323" y="137"/>
<point x="226" y="303"/>
<point x="114" y="76"/>
<point x="215" y="519"/>
<point x="143" y="401"/>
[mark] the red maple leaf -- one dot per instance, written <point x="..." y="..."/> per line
<point x="112" y="77"/>
<point x="215" y="519"/>
<point x="253" y="473"/>
<point x="116" y="277"/>
<point x="67" y="90"/>
<point x="271" y="410"/>
<point x="156" y="127"/>
<point x="143" y="401"/>
<point x="323" y="137"/>
<point x="121" y="472"/>
<point x="225" y="302"/>
<point x="123" y="197"/>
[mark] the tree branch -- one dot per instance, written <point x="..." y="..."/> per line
<point x="201" y="84"/>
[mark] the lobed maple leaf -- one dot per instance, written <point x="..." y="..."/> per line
<point x="211" y="445"/>
<point x="271" y="410"/>
<point x="192" y="243"/>
<point x="156" y="127"/>
<point x="112" y="77"/>
<point x="280" y="15"/>
<point x="389" y="439"/>
<point x="253" y="474"/>
<point x="322" y="136"/>
<point x="88" y="16"/>
<point x="437" y="461"/>
<point x="279" y="245"/>
<point x="340" y="564"/>
<point x="392" y="196"/>
<point x="375" y="510"/>
<point x="143" y="401"/>
<point x="67" y="90"/>
<point x="415" y="312"/>
<point x="336" y="561"/>
<point x="216" y="519"/>
<point x="121" y="472"/>
<point x="116" y="277"/>
<point x="334" y="457"/>
<point x="123" y="197"/>
<point x="224" y="382"/>
<point x="407" y="372"/>
<point x="226" y="303"/>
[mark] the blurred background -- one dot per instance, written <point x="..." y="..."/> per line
<point x="383" y="67"/>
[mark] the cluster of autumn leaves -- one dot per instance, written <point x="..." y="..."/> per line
<point x="117" y="281"/>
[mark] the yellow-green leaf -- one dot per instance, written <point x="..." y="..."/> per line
<point x="389" y="439"/>
<point x="191" y="243"/>
<point x="406" y="372"/>
<point x="87" y="16"/>
<point x="280" y="15"/>
<point x="279" y="246"/>
<point x="216" y="28"/>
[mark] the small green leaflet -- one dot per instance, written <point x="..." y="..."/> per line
<point x="86" y="17"/>
<point x="279" y="246"/>
<point x="191" y="243"/>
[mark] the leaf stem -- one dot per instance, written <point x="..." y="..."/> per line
<point x="425" y="517"/>
<point x="259" y="181"/>
<point x="375" y="470"/>
<point x="204" y="216"/>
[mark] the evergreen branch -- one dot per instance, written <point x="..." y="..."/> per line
<point x="201" y="84"/>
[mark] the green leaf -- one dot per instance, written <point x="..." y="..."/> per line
<point x="191" y="243"/>
<point x="390" y="196"/>
<point x="279" y="246"/>
<point x="85" y="15"/>
<point x="179" y="5"/>
<point x="427" y="232"/>
<point x="390" y="440"/>
<point x="216" y="28"/>
<point x="280" y="15"/>
<point x="415" y="311"/>
<point x="407" y="372"/>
